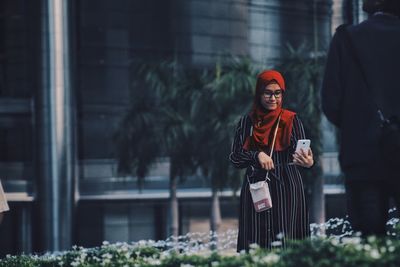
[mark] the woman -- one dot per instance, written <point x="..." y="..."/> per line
<point x="288" y="217"/>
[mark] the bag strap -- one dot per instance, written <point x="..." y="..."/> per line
<point x="276" y="131"/>
<point x="273" y="144"/>
<point x="272" y="147"/>
<point x="343" y="28"/>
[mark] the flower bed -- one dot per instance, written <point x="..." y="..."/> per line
<point x="317" y="252"/>
<point x="341" y="248"/>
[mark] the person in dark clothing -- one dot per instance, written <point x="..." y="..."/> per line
<point x="288" y="218"/>
<point x="347" y="103"/>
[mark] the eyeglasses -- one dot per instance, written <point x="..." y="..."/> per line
<point x="269" y="94"/>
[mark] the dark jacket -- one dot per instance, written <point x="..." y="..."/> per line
<point x="345" y="99"/>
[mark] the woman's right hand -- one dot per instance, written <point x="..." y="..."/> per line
<point x="265" y="161"/>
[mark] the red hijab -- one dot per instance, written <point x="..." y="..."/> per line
<point x="264" y="121"/>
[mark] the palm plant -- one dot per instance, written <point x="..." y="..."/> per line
<point x="167" y="129"/>
<point x="216" y="110"/>
<point x="137" y="139"/>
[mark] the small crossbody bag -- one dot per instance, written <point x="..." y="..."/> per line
<point x="260" y="193"/>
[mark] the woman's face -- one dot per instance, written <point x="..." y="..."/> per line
<point x="271" y="97"/>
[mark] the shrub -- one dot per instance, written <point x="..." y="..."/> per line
<point x="315" y="252"/>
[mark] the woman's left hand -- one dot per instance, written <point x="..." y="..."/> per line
<point x="303" y="158"/>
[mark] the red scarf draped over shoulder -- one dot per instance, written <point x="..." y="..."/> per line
<point x="264" y="121"/>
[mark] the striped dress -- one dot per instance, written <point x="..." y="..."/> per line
<point x="288" y="218"/>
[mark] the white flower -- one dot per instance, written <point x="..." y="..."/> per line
<point x="280" y="235"/>
<point x="276" y="243"/>
<point x="367" y="247"/>
<point x="334" y="241"/>
<point x="256" y="258"/>
<point x="105" y="262"/>
<point x="187" y="265"/>
<point x="375" y="254"/>
<point x="107" y="256"/>
<point x="271" y="258"/>
<point x="153" y="261"/>
<point x="254" y="246"/>
<point x="105" y="243"/>
<point x="142" y="243"/>
<point x="351" y="240"/>
<point x="358" y="234"/>
<point x="359" y="247"/>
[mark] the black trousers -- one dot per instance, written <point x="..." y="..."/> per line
<point x="368" y="203"/>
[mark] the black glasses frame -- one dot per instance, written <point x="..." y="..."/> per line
<point x="269" y="94"/>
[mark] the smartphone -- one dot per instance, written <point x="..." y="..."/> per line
<point x="303" y="144"/>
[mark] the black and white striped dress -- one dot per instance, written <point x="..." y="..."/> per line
<point x="288" y="216"/>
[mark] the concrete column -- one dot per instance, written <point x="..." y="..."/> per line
<point x="54" y="120"/>
<point x="24" y="228"/>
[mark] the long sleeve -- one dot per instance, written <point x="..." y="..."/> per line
<point x="239" y="157"/>
<point x="297" y="131"/>
<point x="332" y="88"/>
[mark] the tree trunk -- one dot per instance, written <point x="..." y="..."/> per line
<point x="317" y="209"/>
<point x="173" y="208"/>
<point x="215" y="211"/>
<point x="215" y="216"/>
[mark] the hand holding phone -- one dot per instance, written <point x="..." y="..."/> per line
<point x="303" y="155"/>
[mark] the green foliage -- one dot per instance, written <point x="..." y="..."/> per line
<point x="158" y="122"/>
<point x="21" y="261"/>
<point x="224" y="99"/>
<point x="319" y="252"/>
<point x="137" y="138"/>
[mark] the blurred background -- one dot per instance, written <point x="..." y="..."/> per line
<point x="116" y="117"/>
